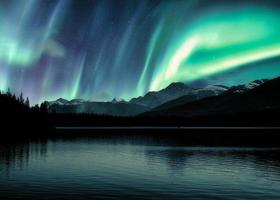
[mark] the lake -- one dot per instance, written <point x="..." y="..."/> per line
<point x="136" y="167"/>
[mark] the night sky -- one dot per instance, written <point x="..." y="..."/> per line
<point x="101" y="49"/>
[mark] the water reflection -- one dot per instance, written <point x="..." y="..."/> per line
<point x="263" y="161"/>
<point x="128" y="167"/>
<point x="175" y="159"/>
<point x="18" y="154"/>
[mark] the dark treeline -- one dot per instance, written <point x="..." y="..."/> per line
<point x="204" y="137"/>
<point x="19" y="117"/>
<point x="20" y="120"/>
<point x="10" y="103"/>
<point x="17" y="111"/>
<point x="262" y="118"/>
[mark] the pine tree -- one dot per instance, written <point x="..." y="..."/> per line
<point x="43" y="107"/>
<point x="27" y="103"/>
<point x="9" y="94"/>
<point x="21" y="99"/>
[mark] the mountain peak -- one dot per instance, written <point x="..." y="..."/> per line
<point x="118" y="100"/>
<point x="61" y="100"/>
<point x="255" y="83"/>
<point x="177" y="85"/>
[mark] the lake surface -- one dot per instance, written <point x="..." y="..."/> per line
<point x="136" y="168"/>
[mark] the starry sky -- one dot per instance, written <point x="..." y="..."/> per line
<point x="101" y="49"/>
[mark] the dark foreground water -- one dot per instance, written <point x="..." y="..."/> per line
<point x="136" y="168"/>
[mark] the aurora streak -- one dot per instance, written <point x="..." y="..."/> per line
<point x="101" y="49"/>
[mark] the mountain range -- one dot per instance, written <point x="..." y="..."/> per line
<point x="259" y="95"/>
<point x="176" y="99"/>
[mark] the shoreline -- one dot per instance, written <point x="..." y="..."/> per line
<point x="163" y="128"/>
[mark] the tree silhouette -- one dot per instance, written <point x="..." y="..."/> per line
<point x="21" y="99"/>
<point x="9" y="94"/>
<point x="44" y="107"/>
<point x="27" y="103"/>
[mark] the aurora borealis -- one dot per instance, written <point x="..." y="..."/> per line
<point x="101" y="49"/>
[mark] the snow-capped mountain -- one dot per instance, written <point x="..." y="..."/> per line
<point x="209" y="91"/>
<point x="62" y="101"/>
<point x="248" y="86"/>
<point x="215" y="89"/>
<point x="173" y="95"/>
<point x="153" y="99"/>
<point x="177" y="90"/>
<point x="118" y="100"/>
<point x="256" y="96"/>
<point x="59" y="101"/>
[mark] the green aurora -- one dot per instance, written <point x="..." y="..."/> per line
<point x="104" y="49"/>
<point x="220" y="41"/>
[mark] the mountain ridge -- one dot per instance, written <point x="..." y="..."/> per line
<point x="173" y="95"/>
<point x="260" y="97"/>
